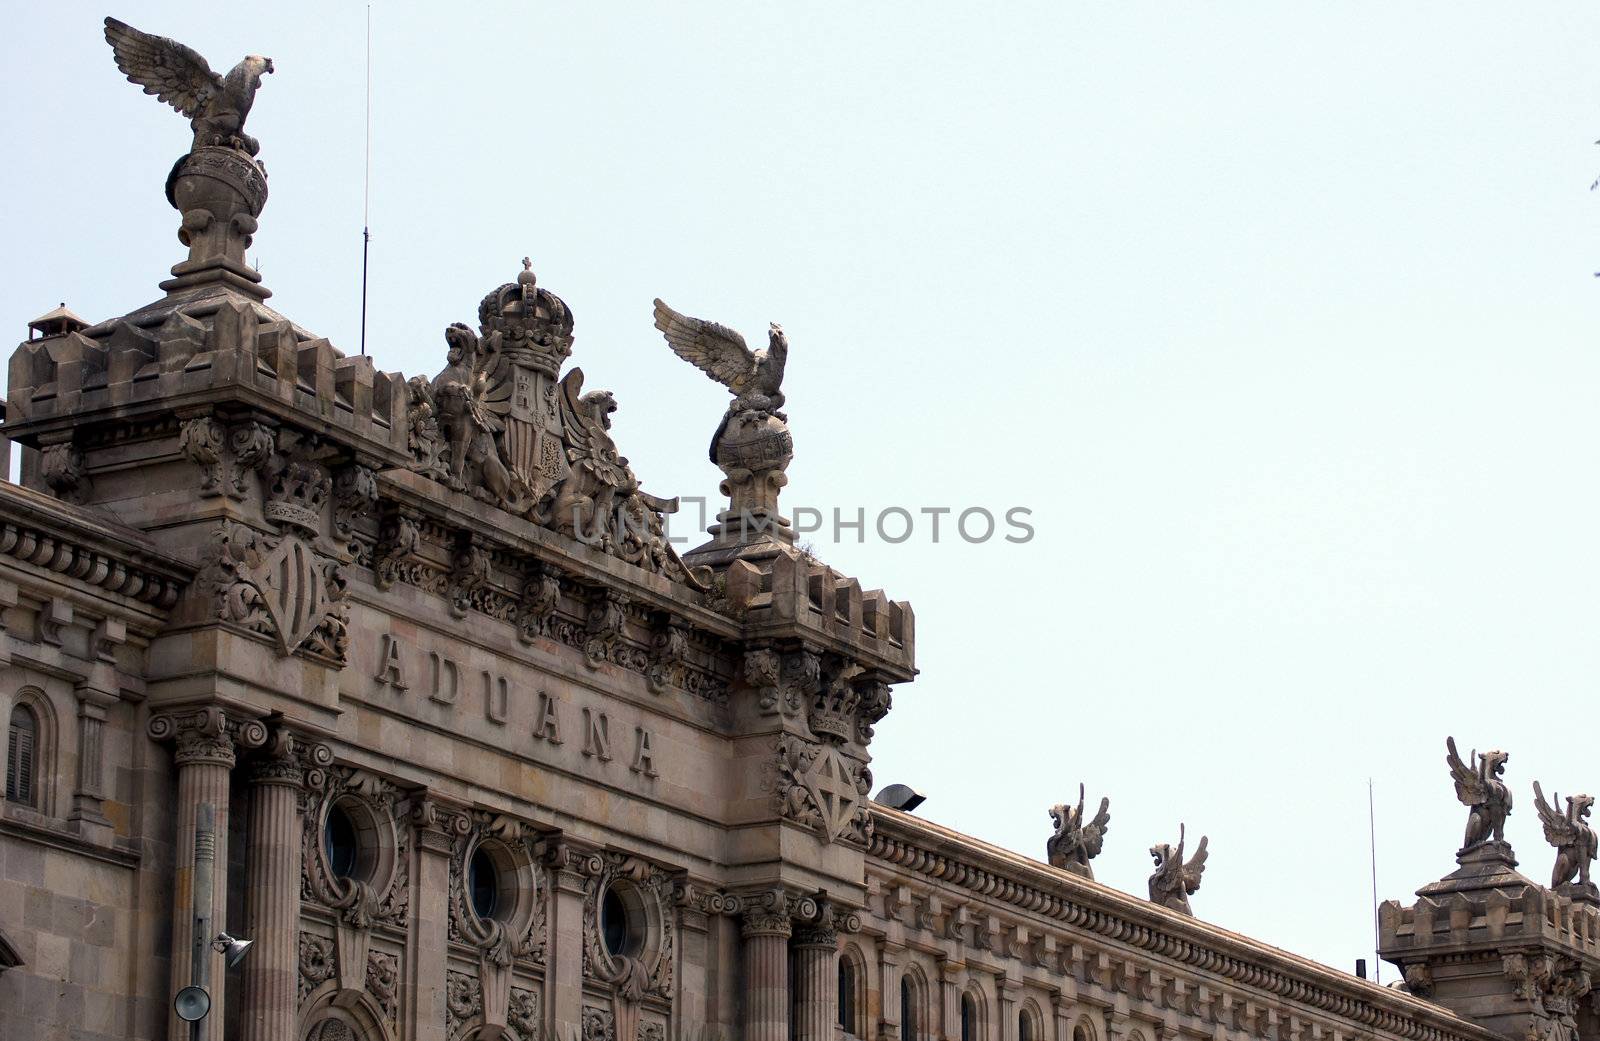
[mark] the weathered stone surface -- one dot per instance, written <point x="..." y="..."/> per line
<point x="487" y="760"/>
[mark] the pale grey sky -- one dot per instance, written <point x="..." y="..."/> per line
<point x="1279" y="317"/>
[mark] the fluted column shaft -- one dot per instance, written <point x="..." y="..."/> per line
<point x="766" y="976"/>
<point x="889" y="1010"/>
<point x="950" y="976"/>
<point x="816" y="982"/>
<point x="272" y="899"/>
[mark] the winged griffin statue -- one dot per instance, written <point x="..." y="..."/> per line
<point x="1075" y="842"/>
<point x="216" y="105"/>
<point x="1480" y="789"/>
<point x="752" y="445"/>
<point x="1573" y="838"/>
<point x="1174" y="881"/>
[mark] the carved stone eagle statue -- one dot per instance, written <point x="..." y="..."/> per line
<point x="754" y="377"/>
<point x="1174" y="881"/>
<point x="216" y="106"/>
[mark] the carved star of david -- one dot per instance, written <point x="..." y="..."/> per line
<point x="831" y="782"/>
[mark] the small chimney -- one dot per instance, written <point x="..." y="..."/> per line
<point x="56" y="323"/>
<point x="1361" y="967"/>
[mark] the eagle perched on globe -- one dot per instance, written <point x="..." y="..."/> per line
<point x="217" y="106"/>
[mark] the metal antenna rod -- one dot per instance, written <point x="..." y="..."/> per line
<point x="366" y="190"/>
<point x="1372" y="844"/>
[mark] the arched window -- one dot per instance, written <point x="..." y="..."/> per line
<point x="969" y="1019"/>
<point x="22" y="757"/>
<point x="847" y="996"/>
<point x="908" y="1012"/>
<point x="1030" y="1025"/>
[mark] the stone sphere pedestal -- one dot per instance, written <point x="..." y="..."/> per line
<point x="220" y="192"/>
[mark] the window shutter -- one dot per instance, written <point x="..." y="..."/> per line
<point x="11" y="763"/>
<point x="25" y="768"/>
<point x="19" y="765"/>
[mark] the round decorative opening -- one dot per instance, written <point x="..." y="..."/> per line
<point x="341" y="843"/>
<point x="622" y="922"/>
<point x="483" y="882"/>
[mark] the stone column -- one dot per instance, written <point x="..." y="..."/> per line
<point x="430" y="932"/>
<point x="1062" y="1008"/>
<point x="272" y="896"/>
<point x="569" y="873"/>
<point x="766" y="974"/>
<point x="1010" y="993"/>
<point x="950" y="973"/>
<point x="816" y="948"/>
<point x="205" y="756"/>
<point x="695" y="907"/>
<point x="889" y="989"/>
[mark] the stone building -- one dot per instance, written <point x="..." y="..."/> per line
<point x="407" y="672"/>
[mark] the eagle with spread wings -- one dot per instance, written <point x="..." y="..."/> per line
<point x="1174" y="881"/>
<point x="755" y="378"/>
<point x="216" y="105"/>
<point x="1075" y="842"/>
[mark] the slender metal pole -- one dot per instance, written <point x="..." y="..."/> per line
<point x="366" y="190"/>
<point x="1372" y="843"/>
<point x="205" y="856"/>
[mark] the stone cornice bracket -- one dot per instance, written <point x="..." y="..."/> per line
<point x="206" y="735"/>
<point x="226" y="455"/>
<point x="65" y="471"/>
<point x="541" y="594"/>
<point x="355" y="493"/>
<point x="469" y="573"/>
<point x="669" y="649"/>
<point x="603" y="625"/>
<point x="399" y="540"/>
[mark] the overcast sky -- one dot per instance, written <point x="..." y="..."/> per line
<point x="1280" y="318"/>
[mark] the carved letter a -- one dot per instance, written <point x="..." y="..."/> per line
<point x="547" y="727"/>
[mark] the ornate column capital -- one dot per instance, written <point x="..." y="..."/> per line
<point x="763" y="922"/>
<point x="288" y="757"/>
<point x="207" y="735"/>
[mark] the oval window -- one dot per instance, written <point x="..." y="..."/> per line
<point x="619" y="924"/>
<point x="483" y="882"/>
<point x="340" y="842"/>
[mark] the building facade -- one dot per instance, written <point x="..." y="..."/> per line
<point x="406" y="674"/>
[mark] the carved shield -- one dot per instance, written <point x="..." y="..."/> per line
<point x="832" y="784"/>
<point x="290" y="580"/>
<point x="531" y="440"/>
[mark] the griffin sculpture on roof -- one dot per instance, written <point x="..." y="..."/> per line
<point x="1481" y="790"/>
<point x="1571" y="835"/>
<point x="216" y="106"/>
<point x="1174" y="881"/>
<point x="1076" y="841"/>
